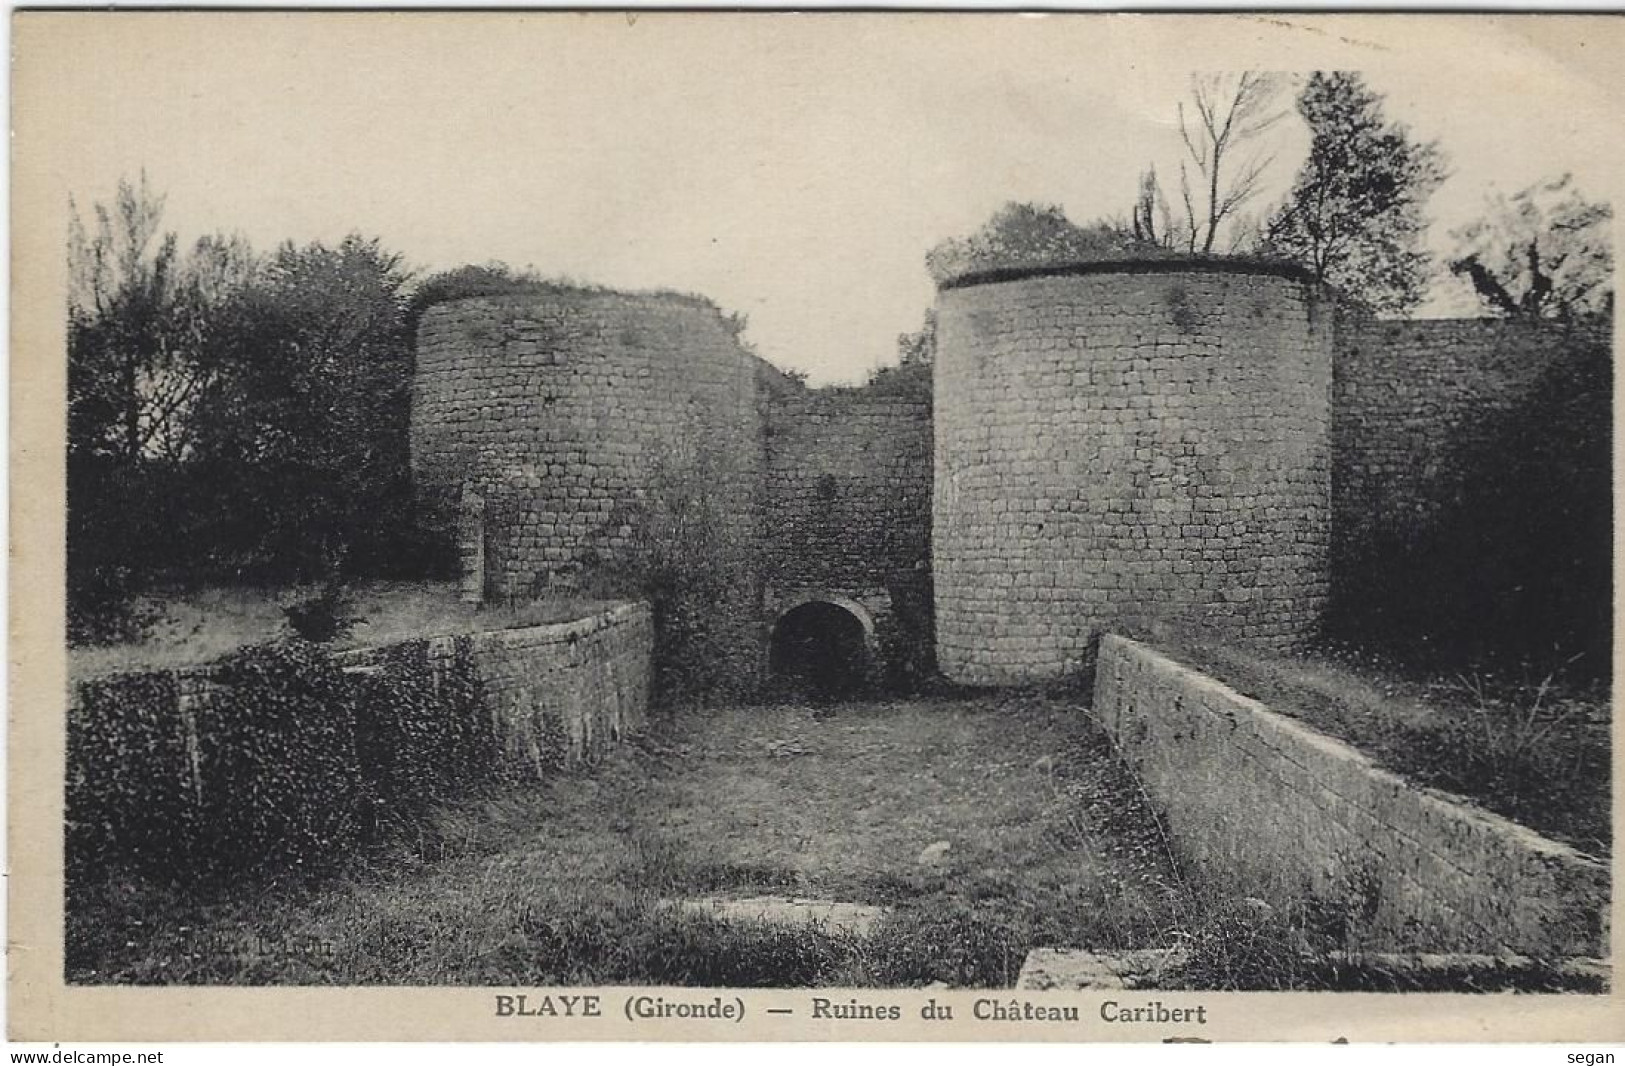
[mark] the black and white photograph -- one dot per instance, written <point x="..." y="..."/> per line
<point x="999" y="526"/>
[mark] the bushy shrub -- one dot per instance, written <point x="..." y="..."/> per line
<point x="1516" y="564"/>
<point x="693" y="558"/>
<point x="280" y="775"/>
<point x="422" y="733"/>
<point x="128" y="785"/>
<point x="470" y="280"/>
<point x="284" y="762"/>
<point x="321" y="618"/>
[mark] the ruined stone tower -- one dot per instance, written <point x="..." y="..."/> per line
<point x="571" y="412"/>
<point x="1118" y="444"/>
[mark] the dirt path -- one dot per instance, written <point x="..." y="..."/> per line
<point x="982" y="827"/>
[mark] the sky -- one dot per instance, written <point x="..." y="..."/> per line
<point x="793" y="168"/>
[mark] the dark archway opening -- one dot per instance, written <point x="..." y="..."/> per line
<point x="821" y="649"/>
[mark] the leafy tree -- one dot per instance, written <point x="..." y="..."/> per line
<point x="303" y="433"/>
<point x="1544" y="252"/>
<point x="1153" y="220"/>
<point x="1021" y="235"/>
<point x="230" y="415"/>
<point x="920" y="347"/>
<point x="125" y="325"/>
<point x="1356" y="213"/>
<point x="139" y="314"/>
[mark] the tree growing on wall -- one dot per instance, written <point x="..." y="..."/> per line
<point x="1152" y="220"/>
<point x="1356" y="213"/>
<point x="920" y="347"/>
<point x="1544" y="252"/>
<point x="1223" y="127"/>
<point x="1025" y="235"/>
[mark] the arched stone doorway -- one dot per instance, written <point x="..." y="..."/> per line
<point x="826" y="647"/>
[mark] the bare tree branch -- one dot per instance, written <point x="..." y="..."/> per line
<point x="1229" y="112"/>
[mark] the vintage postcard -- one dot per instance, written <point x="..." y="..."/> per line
<point x="640" y="526"/>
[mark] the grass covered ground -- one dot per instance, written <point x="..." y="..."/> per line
<point x="1048" y="844"/>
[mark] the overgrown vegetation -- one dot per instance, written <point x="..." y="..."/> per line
<point x="1515" y="566"/>
<point x="274" y="769"/>
<point x="192" y="627"/>
<point x="1034" y="235"/>
<point x="573" y="882"/>
<point x="1049" y="843"/>
<point x="231" y="415"/>
<point x="693" y="557"/>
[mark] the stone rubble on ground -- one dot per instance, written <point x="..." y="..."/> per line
<point x="1074" y="968"/>
<point x="857" y="919"/>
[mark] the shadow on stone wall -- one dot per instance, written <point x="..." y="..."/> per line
<point x="1515" y="562"/>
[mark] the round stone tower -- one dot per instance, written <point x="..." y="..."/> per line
<point x="566" y="413"/>
<point x="1125" y="444"/>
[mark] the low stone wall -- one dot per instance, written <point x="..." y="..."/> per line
<point x="559" y="694"/>
<point x="288" y="754"/>
<point x="1272" y="809"/>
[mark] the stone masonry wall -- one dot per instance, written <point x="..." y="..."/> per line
<point x="561" y="694"/>
<point x="849" y="508"/>
<point x="573" y="414"/>
<point x="1269" y="808"/>
<point x="849" y="488"/>
<point x="1471" y="473"/>
<point x="287" y="753"/>
<point x="1128" y="444"/>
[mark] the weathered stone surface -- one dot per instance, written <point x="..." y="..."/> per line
<point x="1117" y="448"/>
<point x="849" y="487"/>
<point x="1069" y="969"/>
<point x="848" y="511"/>
<point x="560" y="694"/>
<point x="1102" y="452"/>
<point x="568" y="412"/>
<point x="855" y="919"/>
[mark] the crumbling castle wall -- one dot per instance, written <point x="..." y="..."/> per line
<point x="1196" y="442"/>
<point x="614" y="441"/>
<point x="576" y="413"/>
